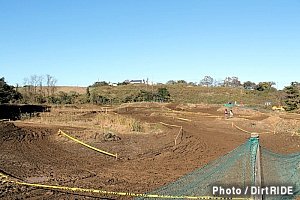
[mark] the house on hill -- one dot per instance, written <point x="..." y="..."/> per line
<point x="113" y="84"/>
<point x="137" y="81"/>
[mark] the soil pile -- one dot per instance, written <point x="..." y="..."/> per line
<point x="8" y="131"/>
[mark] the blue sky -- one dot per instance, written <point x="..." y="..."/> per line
<point x="80" y="42"/>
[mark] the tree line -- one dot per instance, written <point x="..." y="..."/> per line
<point x="208" y="81"/>
<point x="42" y="90"/>
<point x="39" y="88"/>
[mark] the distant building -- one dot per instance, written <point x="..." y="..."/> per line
<point x="249" y="88"/>
<point x="113" y="84"/>
<point x="136" y="81"/>
<point x="268" y="103"/>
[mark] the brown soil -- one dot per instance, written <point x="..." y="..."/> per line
<point x="35" y="153"/>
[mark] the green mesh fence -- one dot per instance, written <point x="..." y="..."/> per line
<point x="280" y="170"/>
<point x="237" y="168"/>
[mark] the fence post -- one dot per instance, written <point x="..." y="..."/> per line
<point x="180" y="132"/>
<point x="257" y="167"/>
<point x="258" y="175"/>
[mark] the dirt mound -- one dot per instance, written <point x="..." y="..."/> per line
<point x="194" y="108"/>
<point x="111" y="137"/>
<point x="8" y="131"/>
<point x="272" y="120"/>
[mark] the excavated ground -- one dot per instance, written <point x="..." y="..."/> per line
<point x="36" y="154"/>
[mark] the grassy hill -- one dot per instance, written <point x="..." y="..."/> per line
<point x="194" y="94"/>
<point x="67" y="89"/>
<point x="181" y="93"/>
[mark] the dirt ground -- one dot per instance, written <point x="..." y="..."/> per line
<point x="35" y="153"/>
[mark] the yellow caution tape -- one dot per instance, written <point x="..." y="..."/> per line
<point x="216" y="116"/>
<point x="170" y="125"/>
<point x="74" y="189"/>
<point x="86" y="145"/>
<point x="233" y="125"/>
<point x="183" y="119"/>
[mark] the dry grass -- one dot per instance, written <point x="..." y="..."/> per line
<point x="193" y="94"/>
<point x="182" y="93"/>
<point x="67" y="89"/>
<point x="93" y="120"/>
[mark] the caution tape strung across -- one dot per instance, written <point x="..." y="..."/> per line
<point x="86" y="145"/>
<point x="239" y="128"/>
<point x="85" y="190"/>
<point x="233" y="125"/>
<point x="183" y="119"/>
<point x="170" y="125"/>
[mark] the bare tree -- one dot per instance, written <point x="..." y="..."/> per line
<point x="48" y="79"/>
<point x="235" y="82"/>
<point x="232" y="82"/>
<point x="34" y="87"/>
<point x="27" y="85"/>
<point x="34" y="82"/>
<point x="25" y="81"/>
<point x="227" y="82"/>
<point x="51" y="82"/>
<point x="40" y="80"/>
<point x="207" y="81"/>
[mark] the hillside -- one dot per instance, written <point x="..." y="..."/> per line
<point x="67" y="89"/>
<point x="180" y="93"/>
<point x="194" y="94"/>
